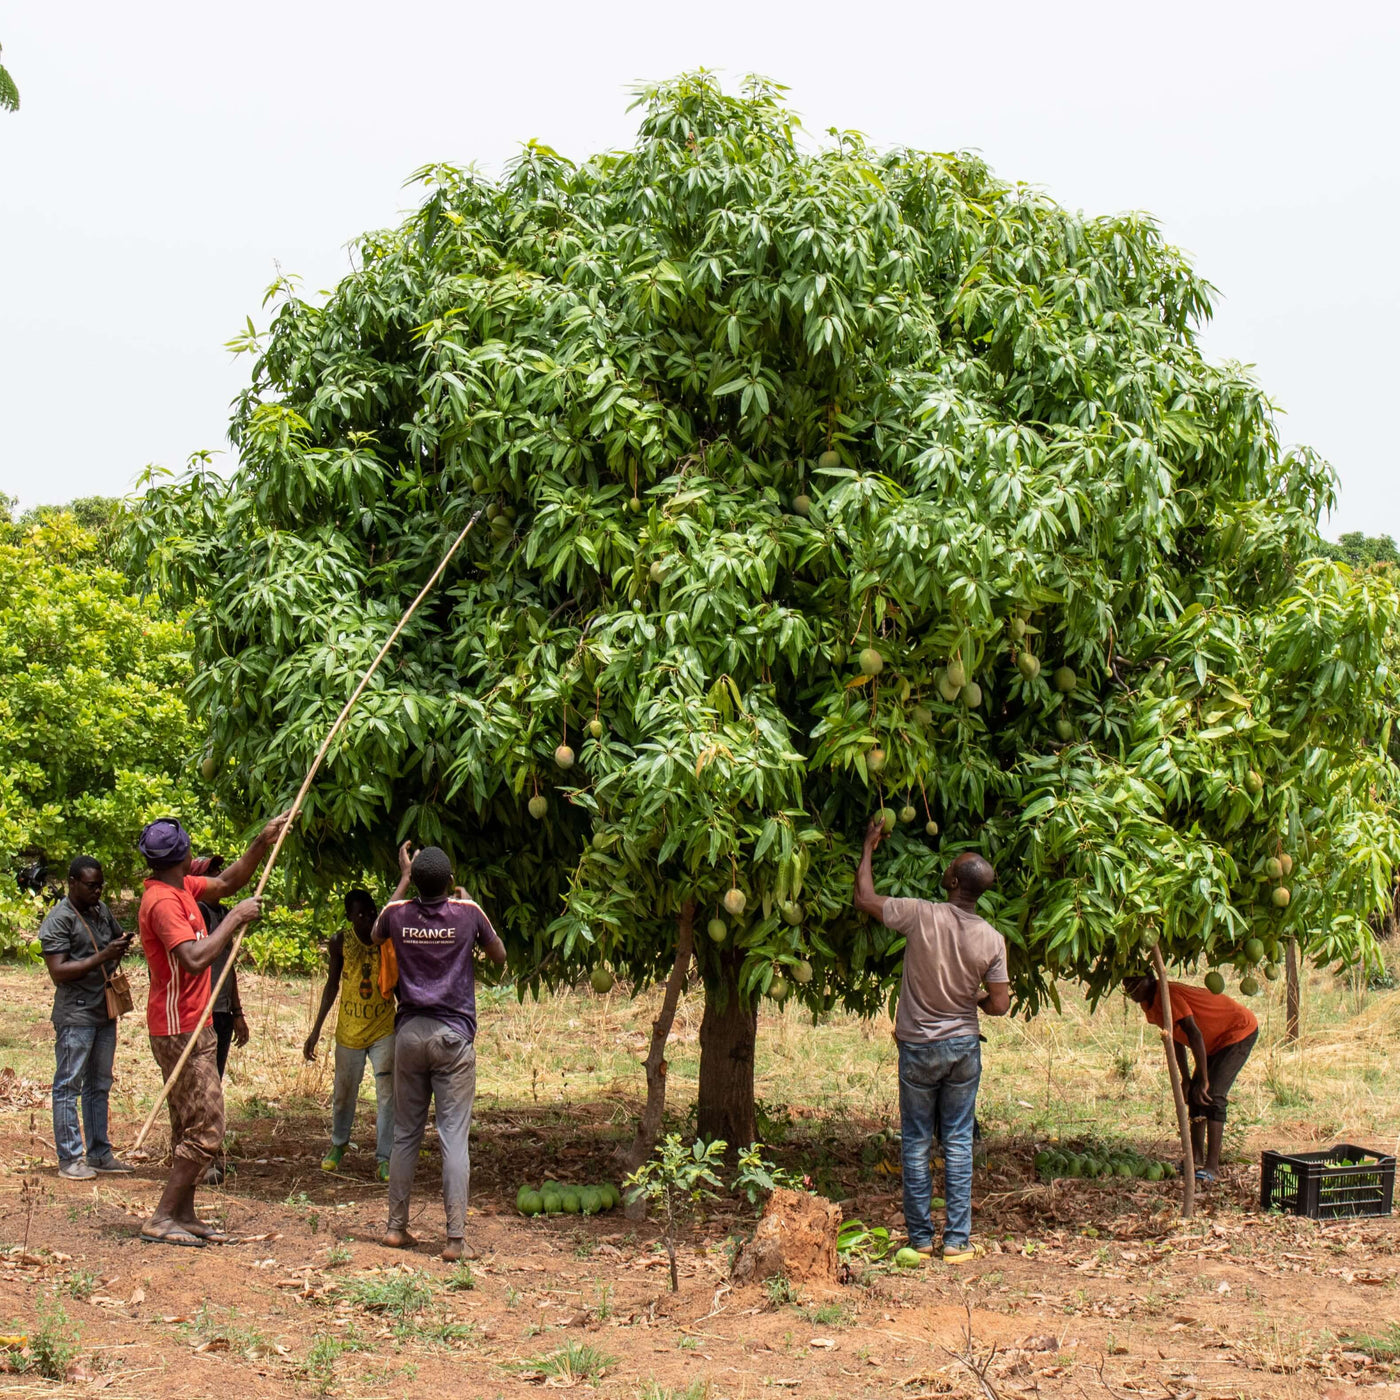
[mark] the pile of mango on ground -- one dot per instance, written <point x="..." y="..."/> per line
<point x="1054" y="1164"/>
<point x="554" y="1199"/>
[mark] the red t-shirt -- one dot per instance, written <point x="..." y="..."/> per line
<point x="169" y="916"/>
<point x="1222" y="1021"/>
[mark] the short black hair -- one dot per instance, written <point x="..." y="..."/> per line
<point x="431" y="871"/>
<point x="355" y="897"/>
<point x="80" y="865"/>
<point x="973" y="873"/>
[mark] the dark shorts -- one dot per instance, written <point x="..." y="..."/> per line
<point x="1222" y="1067"/>
<point x="223" y="1038"/>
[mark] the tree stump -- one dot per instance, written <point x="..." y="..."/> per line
<point x="796" y="1238"/>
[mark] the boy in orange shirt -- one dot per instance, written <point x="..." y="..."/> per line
<point x="1221" y="1033"/>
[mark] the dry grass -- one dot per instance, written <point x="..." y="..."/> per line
<point x="1073" y="1073"/>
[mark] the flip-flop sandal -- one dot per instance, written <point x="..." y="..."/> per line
<point x="175" y="1236"/>
<point x="1204" y="1177"/>
<point x="211" y="1236"/>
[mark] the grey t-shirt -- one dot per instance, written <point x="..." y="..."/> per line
<point x="948" y="955"/>
<point x="84" y="1001"/>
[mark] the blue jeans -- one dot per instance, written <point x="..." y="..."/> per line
<point x="938" y="1097"/>
<point x="84" y="1056"/>
<point x="349" y="1070"/>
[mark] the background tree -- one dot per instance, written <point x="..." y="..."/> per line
<point x="818" y="478"/>
<point x="95" y="737"/>
<point x="1360" y="550"/>
<point x="9" y="93"/>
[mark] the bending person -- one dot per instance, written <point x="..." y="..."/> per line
<point x="950" y="953"/>
<point x="435" y="938"/>
<point x="1221" y="1033"/>
<point x="179" y="951"/>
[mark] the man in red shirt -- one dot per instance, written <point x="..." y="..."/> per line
<point x="1221" y="1033"/>
<point x="179" y="950"/>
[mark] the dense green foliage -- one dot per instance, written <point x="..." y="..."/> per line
<point x="95" y="738"/>
<point x="1361" y="551"/>
<point x="737" y="409"/>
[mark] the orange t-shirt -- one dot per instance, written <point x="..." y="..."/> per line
<point x="169" y="916"/>
<point x="1222" y="1021"/>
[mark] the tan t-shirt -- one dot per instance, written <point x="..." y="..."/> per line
<point x="948" y="955"/>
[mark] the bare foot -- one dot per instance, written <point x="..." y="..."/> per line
<point x="193" y="1225"/>
<point x="399" y="1239"/>
<point x="458" y="1249"/>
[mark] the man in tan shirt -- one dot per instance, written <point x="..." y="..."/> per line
<point x="950" y="955"/>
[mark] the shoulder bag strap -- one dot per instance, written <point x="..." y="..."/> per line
<point x="92" y="938"/>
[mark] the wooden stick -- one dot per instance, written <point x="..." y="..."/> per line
<point x="1291" y="1025"/>
<point x="649" y="1125"/>
<point x="1183" y="1117"/>
<point x="292" y="816"/>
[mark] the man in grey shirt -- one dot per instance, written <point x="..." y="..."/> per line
<point x="950" y="955"/>
<point x="79" y="940"/>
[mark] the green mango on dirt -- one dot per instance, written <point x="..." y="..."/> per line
<point x="1123" y="1169"/>
<point x="531" y="1203"/>
<point x="590" y="1200"/>
<point x="552" y="1202"/>
<point x="571" y="1201"/>
<point x="612" y="1195"/>
<point x="908" y="1258"/>
<point x="1155" y="1171"/>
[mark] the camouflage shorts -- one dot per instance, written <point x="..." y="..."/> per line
<point x="196" y="1103"/>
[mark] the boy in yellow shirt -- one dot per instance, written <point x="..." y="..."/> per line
<point x="364" y="1030"/>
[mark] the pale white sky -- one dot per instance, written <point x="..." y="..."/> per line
<point x="168" y="155"/>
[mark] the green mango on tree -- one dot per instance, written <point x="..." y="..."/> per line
<point x="649" y="352"/>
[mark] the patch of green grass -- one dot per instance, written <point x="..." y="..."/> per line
<point x="242" y="1340"/>
<point x="780" y="1291"/>
<point x="461" y="1279"/>
<point x="319" y="1366"/>
<point x="578" y="1361"/>
<point x="697" y="1390"/>
<point x="79" y="1283"/>
<point x="828" y="1315"/>
<point x="398" y="1295"/>
<point x="1383" y="1348"/>
<point x="338" y="1254"/>
<point x="54" y="1342"/>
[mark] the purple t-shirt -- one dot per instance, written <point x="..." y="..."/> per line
<point x="433" y="942"/>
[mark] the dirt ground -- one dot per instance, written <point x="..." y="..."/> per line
<point x="1092" y="1289"/>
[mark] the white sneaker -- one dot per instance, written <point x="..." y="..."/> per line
<point x="77" y="1170"/>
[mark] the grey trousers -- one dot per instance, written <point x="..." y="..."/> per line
<point x="432" y="1061"/>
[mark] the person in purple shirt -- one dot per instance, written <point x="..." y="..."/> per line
<point x="435" y="937"/>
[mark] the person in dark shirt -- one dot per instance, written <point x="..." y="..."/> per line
<point x="80" y="940"/>
<point x="435" y="937"/>
<point x="230" y="1025"/>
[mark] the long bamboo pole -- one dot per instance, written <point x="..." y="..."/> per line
<point x="292" y="816"/>
<point x="1183" y="1117"/>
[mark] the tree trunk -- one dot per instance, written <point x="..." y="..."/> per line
<point x="649" y="1125"/>
<point x="727" y="1034"/>
<point x="1291" y="1027"/>
<point x="1183" y="1117"/>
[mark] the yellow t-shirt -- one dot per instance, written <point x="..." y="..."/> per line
<point x="366" y="1015"/>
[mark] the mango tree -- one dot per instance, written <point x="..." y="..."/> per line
<point x="820" y="481"/>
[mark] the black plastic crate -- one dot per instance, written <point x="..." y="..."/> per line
<point x="1344" y="1180"/>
